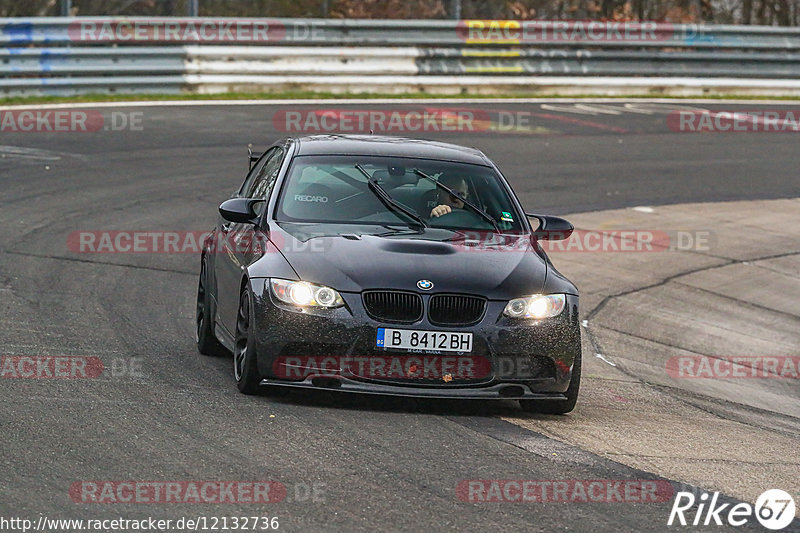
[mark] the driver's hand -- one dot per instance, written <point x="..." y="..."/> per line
<point x="440" y="210"/>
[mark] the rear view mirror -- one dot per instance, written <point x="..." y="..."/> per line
<point x="239" y="210"/>
<point x="551" y="228"/>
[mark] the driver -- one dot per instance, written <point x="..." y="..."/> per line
<point x="447" y="202"/>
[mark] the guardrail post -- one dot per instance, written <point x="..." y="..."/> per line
<point x="194" y="8"/>
<point x="455" y="9"/>
<point x="66" y="8"/>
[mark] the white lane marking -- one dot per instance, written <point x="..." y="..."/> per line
<point x="20" y="152"/>
<point x="645" y="108"/>
<point x="602" y="109"/>
<point x="652" y="104"/>
<point x="665" y="108"/>
<point x="568" y="109"/>
<point x="644" y="209"/>
<point x="600" y="356"/>
<point x="633" y="108"/>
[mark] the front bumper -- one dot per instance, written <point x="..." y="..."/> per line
<point x="523" y="359"/>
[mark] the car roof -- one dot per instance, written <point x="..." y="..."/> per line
<point x="387" y="146"/>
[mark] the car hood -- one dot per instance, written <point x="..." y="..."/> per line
<point x="355" y="259"/>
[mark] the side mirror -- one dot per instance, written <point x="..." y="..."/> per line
<point x="239" y="210"/>
<point x="551" y="228"/>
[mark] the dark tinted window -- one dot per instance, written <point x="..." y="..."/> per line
<point x="257" y="172"/>
<point x="265" y="181"/>
<point x="331" y="189"/>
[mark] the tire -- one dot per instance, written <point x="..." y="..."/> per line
<point x="207" y="343"/>
<point x="245" y="368"/>
<point x="558" y="407"/>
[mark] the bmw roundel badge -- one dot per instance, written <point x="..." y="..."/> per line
<point x="425" y="284"/>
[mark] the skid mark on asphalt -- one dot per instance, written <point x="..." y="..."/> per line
<point x="95" y="262"/>
<point x="19" y="152"/>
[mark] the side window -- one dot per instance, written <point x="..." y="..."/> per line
<point x="247" y="187"/>
<point x="262" y="187"/>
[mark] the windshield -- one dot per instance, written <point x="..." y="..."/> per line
<point x="333" y="189"/>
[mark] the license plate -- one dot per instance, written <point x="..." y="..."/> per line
<point x="444" y="341"/>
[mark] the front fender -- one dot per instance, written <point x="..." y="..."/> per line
<point x="271" y="264"/>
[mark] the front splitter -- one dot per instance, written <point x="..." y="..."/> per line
<point x="500" y="391"/>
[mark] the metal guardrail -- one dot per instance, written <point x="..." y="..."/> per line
<point x="365" y="32"/>
<point x="51" y="62"/>
<point x="80" y="55"/>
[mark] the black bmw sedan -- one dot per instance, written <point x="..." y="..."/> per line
<point x="388" y="266"/>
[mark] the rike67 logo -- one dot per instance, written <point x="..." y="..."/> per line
<point x="774" y="509"/>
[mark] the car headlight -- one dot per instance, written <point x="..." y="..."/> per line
<point x="304" y="294"/>
<point x="537" y="306"/>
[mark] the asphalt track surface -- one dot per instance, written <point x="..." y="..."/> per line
<point x="165" y="413"/>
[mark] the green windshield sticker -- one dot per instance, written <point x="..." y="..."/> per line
<point x="506" y="216"/>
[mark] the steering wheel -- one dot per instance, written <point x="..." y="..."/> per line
<point x="461" y="218"/>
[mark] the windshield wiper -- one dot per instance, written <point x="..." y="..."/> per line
<point x="467" y="203"/>
<point x="394" y="230"/>
<point x="390" y="202"/>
